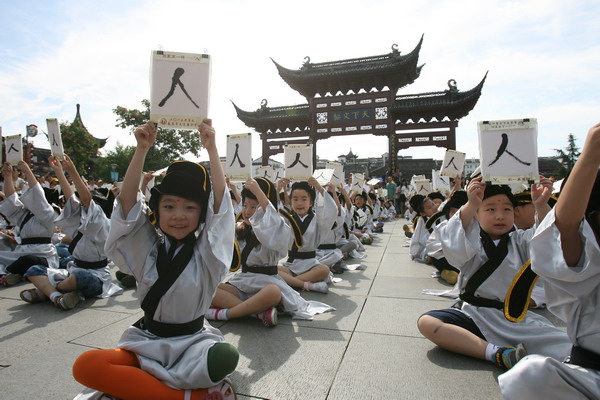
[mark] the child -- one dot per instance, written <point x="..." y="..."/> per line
<point x="34" y="218"/>
<point x="172" y="348"/>
<point x="264" y="240"/>
<point x="362" y="218"/>
<point x="87" y="225"/>
<point x="327" y="252"/>
<point x="349" y="244"/>
<point x="314" y="217"/>
<point x="489" y="254"/>
<point x="419" y="238"/>
<point x="565" y="251"/>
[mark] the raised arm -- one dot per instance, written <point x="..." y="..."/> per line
<point x="475" y="192"/>
<point x="207" y="136"/>
<point x="540" y="194"/>
<point x="62" y="179"/>
<point x="9" y="186"/>
<point x="29" y="176"/>
<point x="572" y="203"/>
<point x="255" y="189"/>
<point x="145" y="136"/>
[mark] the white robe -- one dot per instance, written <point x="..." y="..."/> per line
<point x="94" y="226"/>
<point x="15" y="209"/>
<point x="331" y="256"/>
<point x="132" y="244"/>
<point x="465" y="250"/>
<point x="274" y="236"/>
<point x="573" y="295"/>
<point x="325" y="211"/>
<point x="418" y="241"/>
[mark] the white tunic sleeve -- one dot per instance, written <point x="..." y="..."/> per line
<point x="13" y="209"/>
<point x="271" y="230"/>
<point x="459" y="246"/>
<point x="419" y="239"/>
<point x="325" y="213"/>
<point x="69" y="220"/>
<point x="35" y="201"/>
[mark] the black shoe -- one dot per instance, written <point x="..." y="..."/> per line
<point x="127" y="281"/>
<point x="337" y="268"/>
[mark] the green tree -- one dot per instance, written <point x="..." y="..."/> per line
<point x="79" y="145"/>
<point x="119" y="157"/>
<point x="170" y="145"/>
<point x="567" y="157"/>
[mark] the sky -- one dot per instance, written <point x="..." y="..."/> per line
<point x="542" y="59"/>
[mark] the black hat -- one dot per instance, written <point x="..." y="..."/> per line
<point x="457" y="200"/>
<point x="268" y="189"/>
<point x="436" y="195"/>
<point x="416" y="202"/>
<point x="493" y="190"/>
<point x="522" y="198"/>
<point x="184" y="179"/>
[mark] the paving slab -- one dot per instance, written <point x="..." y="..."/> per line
<point x="407" y="288"/>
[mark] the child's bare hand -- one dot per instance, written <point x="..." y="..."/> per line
<point x="148" y="176"/>
<point x="146" y="134"/>
<point x="475" y="191"/>
<point x="207" y="134"/>
<point x="7" y="170"/>
<point x="330" y="187"/>
<point x="591" y="148"/>
<point x="23" y="166"/>
<point x="252" y="186"/>
<point x="540" y="193"/>
<point x="68" y="165"/>
<point x="54" y="164"/>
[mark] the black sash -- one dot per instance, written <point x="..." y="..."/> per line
<point x="327" y="246"/>
<point x="303" y="225"/>
<point x="91" y="264"/>
<point x="25" y="220"/>
<point x="251" y="242"/>
<point x="169" y="270"/>
<point x="584" y="358"/>
<point x="36" y="240"/>
<point x="74" y="242"/>
<point x="265" y="270"/>
<point x="495" y="254"/>
<point x="301" y="255"/>
<point x="516" y="302"/>
<point x="434" y="220"/>
<point x="346" y="231"/>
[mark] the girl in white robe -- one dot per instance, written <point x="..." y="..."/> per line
<point x="172" y="352"/>
<point x="566" y="253"/>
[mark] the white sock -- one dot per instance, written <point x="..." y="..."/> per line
<point x="490" y="352"/>
<point x="217" y="314"/>
<point x="54" y="296"/>
<point x="28" y="296"/>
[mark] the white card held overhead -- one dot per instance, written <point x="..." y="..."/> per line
<point x="298" y="162"/>
<point x="323" y="176"/>
<point x="14" y="149"/>
<point x="338" y="172"/>
<point x="440" y="183"/>
<point x="423" y="187"/>
<point x="238" y="165"/>
<point x="416" y="178"/>
<point x="358" y="181"/>
<point x="508" y="150"/>
<point x="453" y="164"/>
<point x="55" y="138"/>
<point x="266" y="171"/>
<point x="179" y="89"/>
<point x="279" y="172"/>
<point x="373" y="182"/>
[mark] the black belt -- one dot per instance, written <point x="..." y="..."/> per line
<point x="36" y="240"/>
<point x="170" y="330"/>
<point x="302" y="255"/>
<point x="265" y="270"/>
<point x="584" y="358"/>
<point x="91" y="264"/>
<point x="327" y="246"/>
<point x="481" y="302"/>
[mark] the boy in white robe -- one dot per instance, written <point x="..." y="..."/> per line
<point x="566" y="253"/>
<point x="481" y="241"/>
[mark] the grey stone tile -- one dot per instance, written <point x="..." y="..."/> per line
<point x="345" y="317"/>
<point x="394" y="367"/>
<point x="406" y="287"/>
<point x="399" y="266"/>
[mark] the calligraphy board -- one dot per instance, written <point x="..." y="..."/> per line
<point x="338" y="172"/>
<point x="423" y="187"/>
<point x="179" y="89"/>
<point x="439" y="182"/>
<point x="358" y="182"/>
<point x="266" y="171"/>
<point x="508" y="151"/>
<point x="55" y="138"/>
<point x="323" y="176"/>
<point x="238" y="164"/>
<point x="453" y="164"/>
<point x="14" y="149"/>
<point x="298" y="162"/>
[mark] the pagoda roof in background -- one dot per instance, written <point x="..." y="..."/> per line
<point x="393" y="70"/>
<point x="101" y="142"/>
<point x="450" y="104"/>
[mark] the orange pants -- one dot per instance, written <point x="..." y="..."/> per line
<point x="117" y="372"/>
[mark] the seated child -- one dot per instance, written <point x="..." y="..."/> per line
<point x="314" y="213"/>
<point x="264" y="238"/>
<point x="481" y="241"/>
<point x="425" y="209"/>
<point x="172" y="352"/>
<point x="88" y="273"/>
<point x="565" y="251"/>
<point x="362" y="218"/>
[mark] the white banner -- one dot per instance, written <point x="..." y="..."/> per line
<point x="508" y="151"/>
<point x="179" y="89"/>
<point x="14" y="149"/>
<point x="298" y="162"/>
<point x="453" y="164"/>
<point x="238" y="164"/>
<point x="55" y="138"/>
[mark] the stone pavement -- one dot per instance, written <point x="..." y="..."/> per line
<point x="369" y="348"/>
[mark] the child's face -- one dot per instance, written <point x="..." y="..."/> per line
<point x="359" y="201"/>
<point x="301" y="202"/>
<point x="525" y="216"/>
<point x="437" y="202"/>
<point x="429" y="207"/>
<point x="249" y="209"/>
<point x="496" y="215"/>
<point x="178" y="216"/>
